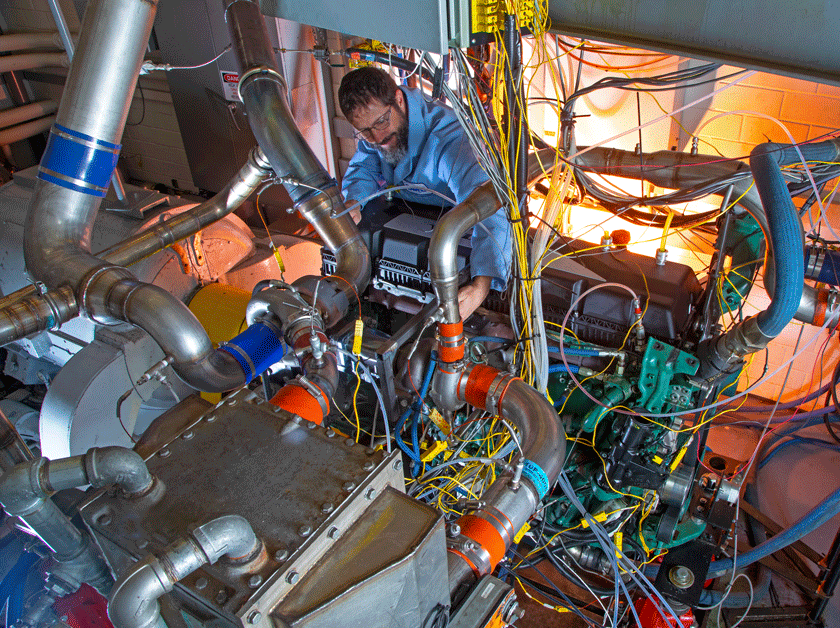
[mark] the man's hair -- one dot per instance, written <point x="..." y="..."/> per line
<point x="359" y="87"/>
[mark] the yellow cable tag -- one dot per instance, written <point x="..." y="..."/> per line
<point x="601" y="517"/>
<point x="678" y="459"/>
<point x="357" y="337"/>
<point x="618" y="538"/>
<point x="279" y="259"/>
<point x="434" y="450"/>
<point x="521" y="532"/>
<point x="656" y="460"/>
<point x="437" y="419"/>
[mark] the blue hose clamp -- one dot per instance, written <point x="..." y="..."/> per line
<point x="78" y="162"/>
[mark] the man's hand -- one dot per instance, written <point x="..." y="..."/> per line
<point x="355" y="213"/>
<point x="472" y="295"/>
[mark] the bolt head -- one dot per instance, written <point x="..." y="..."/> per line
<point x="305" y="530"/>
<point x="310" y="425"/>
<point x="142" y="544"/>
<point x="255" y="581"/>
<point x="332" y="533"/>
<point x="188" y="435"/>
<point x="254" y="617"/>
<point x="368" y="465"/>
<point x="328" y="507"/>
<point x="330" y="432"/>
<point x="211" y="418"/>
<point x="296" y="419"/>
<point x="349" y="442"/>
<point x="164" y="453"/>
<point x="281" y="555"/>
<point x="681" y="576"/>
<point x="201" y="583"/>
<point x="370" y="493"/>
<point x="221" y="597"/>
<point x="397" y="465"/>
<point x="292" y="577"/>
<point x="349" y="486"/>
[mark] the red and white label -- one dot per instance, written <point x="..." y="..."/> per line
<point x="230" y="81"/>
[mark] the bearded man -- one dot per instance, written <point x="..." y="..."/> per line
<point x="406" y="139"/>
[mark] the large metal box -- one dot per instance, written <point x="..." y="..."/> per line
<point x="332" y="515"/>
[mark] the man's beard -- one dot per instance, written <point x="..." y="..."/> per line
<point x="393" y="156"/>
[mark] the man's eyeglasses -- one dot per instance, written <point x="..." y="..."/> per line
<point x="380" y="125"/>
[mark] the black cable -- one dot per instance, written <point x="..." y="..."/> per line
<point x="832" y="393"/>
<point x="143" y="103"/>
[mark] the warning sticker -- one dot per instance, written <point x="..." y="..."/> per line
<point x="230" y="80"/>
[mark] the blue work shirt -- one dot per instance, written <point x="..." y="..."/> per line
<point x="440" y="157"/>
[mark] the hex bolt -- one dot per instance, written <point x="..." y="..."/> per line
<point x="164" y="453"/>
<point x="296" y="419"/>
<point x="370" y="451"/>
<point x="305" y="530"/>
<point x="201" y="583"/>
<point x="221" y="598"/>
<point x="368" y="465"/>
<point x="292" y="577"/>
<point x="349" y="486"/>
<point x="142" y="544"/>
<point x="330" y="432"/>
<point x="255" y="581"/>
<point x="397" y="465"/>
<point x="104" y="519"/>
<point x="370" y="494"/>
<point x="454" y="529"/>
<point x="210" y="418"/>
<point x="310" y="425"/>
<point x="681" y="576"/>
<point x="281" y="555"/>
<point x="254" y="617"/>
<point x="328" y="507"/>
<point x="232" y="402"/>
<point x="332" y="533"/>
<point x="188" y="435"/>
<point x="349" y="442"/>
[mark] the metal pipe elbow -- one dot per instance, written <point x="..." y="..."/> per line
<point x="21" y="492"/>
<point x="123" y="467"/>
<point x="443" y="247"/>
<point x="133" y="599"/>
<point x="228" y="535"/>
<point x="543" y="437"/>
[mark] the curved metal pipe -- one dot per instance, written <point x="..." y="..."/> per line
<point x="488" y="531"/>
<point x="133" y="600"/>
<point x="157" y="237"/>
<point x="313" y="192"/>
<point x="25" y="492"/>
<point x="443" y="247"/>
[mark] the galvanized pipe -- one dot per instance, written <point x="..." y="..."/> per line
<point x="133" y="599"/>
<point x="314" y="193"/>
<point x="30" y="60"/>
<point x="13" y="451"/>
<point x="25" y="113"/>
<point x="25" y="41"/>
<point x="25" y="492"/>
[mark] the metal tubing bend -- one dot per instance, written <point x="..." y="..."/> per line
<point x="487" y="532"/>
<point x="133" y="600"/>
<point x="312" y="190"/>
<point x="443" y="248"/>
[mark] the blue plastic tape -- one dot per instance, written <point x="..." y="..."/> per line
<point x="256" y="348"/>
<point x="538" y="478"/>
<point x="78" y="162"/>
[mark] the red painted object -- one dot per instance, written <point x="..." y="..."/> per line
<point x="85" y="608"/>
<point x="650" y="616"/>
